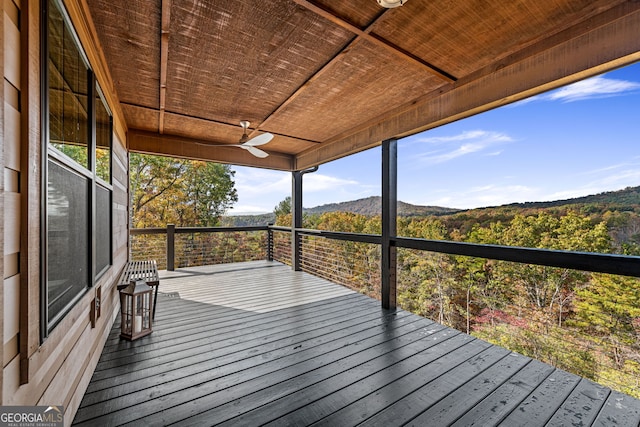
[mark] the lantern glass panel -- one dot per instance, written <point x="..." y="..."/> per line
<point x="136" y="306"/>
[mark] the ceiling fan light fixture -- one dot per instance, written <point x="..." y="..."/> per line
<point x="245" y="136"/>
<point x="390" y="4"/>
<point x="247" y="144"/>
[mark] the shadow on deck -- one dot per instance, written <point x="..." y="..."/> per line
<point x="256" y="343"/>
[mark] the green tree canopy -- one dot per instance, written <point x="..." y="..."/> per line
<point x="167" y="190"/>
<point x="283" y="208"/>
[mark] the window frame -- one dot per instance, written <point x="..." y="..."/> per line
<point x="95" y="183"/>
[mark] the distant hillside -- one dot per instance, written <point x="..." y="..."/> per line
<point x="627" y="199"/>
<point x="371" y="206"/>
<point x="621" y="200"/>
<point x="248" y="220"/>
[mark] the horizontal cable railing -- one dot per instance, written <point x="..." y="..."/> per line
<point x="587" y="261"/>
<point x="560" y="316"/>
<point x="148" y="245"/>
<point x="176" y="247"/>
<point x="281" y="248"/>
<point x="578" y="311"/>
<point x="355" y="265"/>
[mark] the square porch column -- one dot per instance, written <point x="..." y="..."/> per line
<point x="389" y="221"/>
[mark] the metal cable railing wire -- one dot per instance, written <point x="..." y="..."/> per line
<point x="196" y="249"/>
<point x="282" y="246"/>
<point x="355" y="265"/>
<point x="149" y="246"/>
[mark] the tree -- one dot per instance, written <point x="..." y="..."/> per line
<point x="547" y="288"/>
<point x="609" y="307"/>
<point x="210" y="191"/>
<point x="183" y="192"/>
<point x="283" y="208"/>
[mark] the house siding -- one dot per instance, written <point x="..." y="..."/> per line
<point x="57" y="370"/>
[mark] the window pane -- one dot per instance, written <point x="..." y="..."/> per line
<point x="68" y="91"/>
<point x="103" y="229"/>
<point x="67" y="238"/>
<point x="103" y="140"/>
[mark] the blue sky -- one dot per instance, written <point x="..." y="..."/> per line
<point x="574" y="141"/>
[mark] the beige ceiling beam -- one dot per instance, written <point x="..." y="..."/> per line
<point x="593" y="47"/>
<point x="328" y="66"/>
<point x="164" y="56"/>
<point x="187" y="148"/>
<point x="378" y="41"/>
<point x="302" y="88"/>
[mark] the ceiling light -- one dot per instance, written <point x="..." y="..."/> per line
<point x="389" y="4"/>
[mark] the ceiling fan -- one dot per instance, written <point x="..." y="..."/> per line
<point x="249" y="144"/>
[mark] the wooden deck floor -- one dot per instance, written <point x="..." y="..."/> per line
<point x="255" y="343"/>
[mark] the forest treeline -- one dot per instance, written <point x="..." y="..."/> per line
<point x="586" y="323"/>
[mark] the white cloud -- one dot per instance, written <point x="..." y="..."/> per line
<point x="633" y="166"/>
<point x="463" y="136"/>
<point x="322" y="189"/>
<point x="592" y="88"/>
<point x="260" y="181"/>
<point x="487" y="195"/>
<point x="446" y="148"/>
<point x="249" y="210"/>
<point x="259" y="190"/>
<point x="608" y="178"/>
<point x="595" y="87"/>
<point x="316" y="182"/>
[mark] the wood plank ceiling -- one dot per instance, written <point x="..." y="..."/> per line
<point x="331" y="78"/>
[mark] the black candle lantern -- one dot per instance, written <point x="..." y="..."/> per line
<point x="136" y="306"/>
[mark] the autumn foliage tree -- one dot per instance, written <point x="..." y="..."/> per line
<point x="586" y="323"/>
<point x="166" y="190"/>
<point x="183" y="192"/>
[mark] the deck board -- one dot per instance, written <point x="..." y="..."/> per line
<point x="619" y="410"/>
<point x="542" y="403"/>
<point x="582" y="406"/>
<point x="256" y="343"/>
<point x="448" y="410"/>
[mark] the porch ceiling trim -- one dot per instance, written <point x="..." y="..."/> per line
<point x="187" y="148"/>
<point x="590" y="48"/>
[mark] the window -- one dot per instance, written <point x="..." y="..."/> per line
<point x="77" y="189"/>
<point x="103" y="138"/>
<point x="67" y="238"/>
<point x="103" y="229"/>
<point x="104" y="131"/>
<point x="68" y="91"/>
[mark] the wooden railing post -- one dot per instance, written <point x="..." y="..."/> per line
<point x="171" y="251"/>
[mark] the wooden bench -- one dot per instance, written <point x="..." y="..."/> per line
<point x="141" y="270"/>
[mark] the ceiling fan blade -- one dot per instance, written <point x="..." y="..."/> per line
<point x="255" y="151"/>
<point x="259" y="140"/>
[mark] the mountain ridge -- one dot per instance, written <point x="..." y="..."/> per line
<point x="627" y="199"/>
<point x="372" y="205"/>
